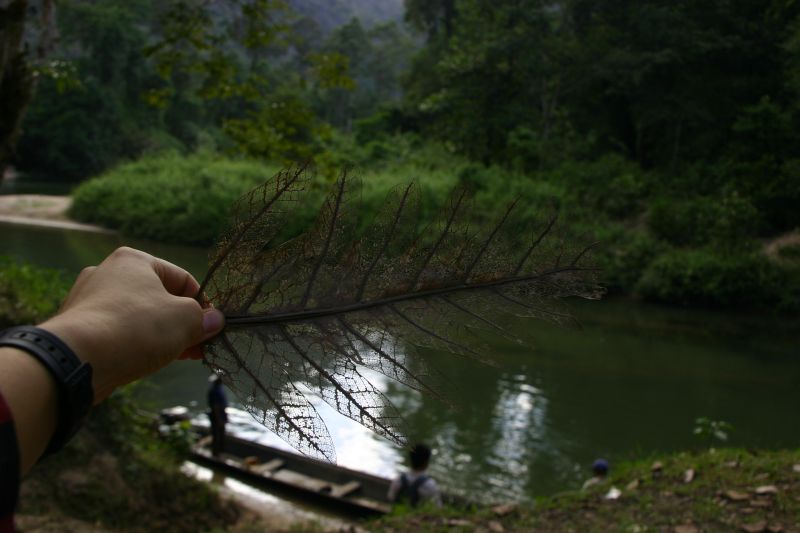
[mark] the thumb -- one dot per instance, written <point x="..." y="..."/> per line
<point x="213" y="322"/>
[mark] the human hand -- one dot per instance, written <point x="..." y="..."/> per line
<point x="132" y="315"/>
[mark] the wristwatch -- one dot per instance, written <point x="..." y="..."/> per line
<point x="73" y="377"/>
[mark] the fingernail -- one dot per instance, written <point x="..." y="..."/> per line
<point x="213" y="321"/>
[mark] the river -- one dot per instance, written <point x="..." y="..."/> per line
<point x="628" y="383"/>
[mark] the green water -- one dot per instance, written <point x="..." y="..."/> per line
<point x="630" y="382"/>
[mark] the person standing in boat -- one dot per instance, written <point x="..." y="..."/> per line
<point x="415" y="486"/>
<point x="217" y="402"/>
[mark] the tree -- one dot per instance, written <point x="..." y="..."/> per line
<point x="26" y="35"/>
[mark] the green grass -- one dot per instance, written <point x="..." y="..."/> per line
<point x="659" y="501"/>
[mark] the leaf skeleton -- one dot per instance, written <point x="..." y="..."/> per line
<point x="311" y="313"/>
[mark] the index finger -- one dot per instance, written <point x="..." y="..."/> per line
<point x="176" y="280"/>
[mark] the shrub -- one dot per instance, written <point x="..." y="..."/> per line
<point x="707" y="277"/>
<point x="624" y="255"/>
<point x="28" y="295"/>
<point x="611" y="185"/>
<point x="168" y="197"/>
<point x="725" y="221"/>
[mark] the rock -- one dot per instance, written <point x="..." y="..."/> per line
<point x="755" y="527"/>
<point x="767" y="489"/>
<point x="732" y="464"/>
<point x="613" y="494"/>
<point x="658" y="466"/>
<point x="736" y="496"/>
<point x="775" y="528"/>
<point x="688" y="476"/>
<point x="459" y="522"/>
<point x="686" y="528"/>
<point x="504" y="509"/>
<point x="796" y="468"/>
<point x="496" y="527"/>
<point x="633" y="485"/>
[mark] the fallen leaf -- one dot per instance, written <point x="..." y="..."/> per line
<point x="796" y="468"/>
<point x="688" y="476"/>
<point x="775" y="528"/>
<point x="458" y="522"/>
<point x="686" y="528"/>
<point x="755" y="527"/>
<point x="736" y="496"/>
<point x="658" y="466"/>
<point x="496" y="526"/>
<point x="767" y="489"/>
<point x="762" y="475"/>
<point x="732" y="464"/>
<point x="504" y="509"/>
<point x="633" y="485"/>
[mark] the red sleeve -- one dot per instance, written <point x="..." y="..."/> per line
<point x="9" y="469"/>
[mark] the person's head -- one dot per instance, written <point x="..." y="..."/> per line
<point x="600" y="467"/>
<point x="420" y="456"/>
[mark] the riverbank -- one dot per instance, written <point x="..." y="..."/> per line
<point x="729" y="490"/>
<point x="42" y="210"/>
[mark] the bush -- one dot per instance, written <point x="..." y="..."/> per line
<point x="28" y="295"/>
<point x="168" y="198"/>
<point x="624" y="255"/>
<point x="706" y="277"/>
<point x="611" y="185"/>
<point x="726" y="221"/>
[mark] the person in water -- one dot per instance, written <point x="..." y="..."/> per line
<point x="123" y="319"/>
<point x="415" y="486"/>
<point x="217" y="402"/>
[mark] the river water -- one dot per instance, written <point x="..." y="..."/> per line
<point x="628" y="383"/>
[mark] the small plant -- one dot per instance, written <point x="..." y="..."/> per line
<point x="711" y="430"/>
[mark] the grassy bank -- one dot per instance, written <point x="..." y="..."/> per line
<point x="714" y="491"/>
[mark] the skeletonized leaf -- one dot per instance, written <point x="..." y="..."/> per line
<point x="318" y="308"/>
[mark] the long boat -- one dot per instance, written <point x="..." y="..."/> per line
<point x="345" y="490"/>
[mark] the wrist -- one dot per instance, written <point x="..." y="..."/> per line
<point x="70" y="375"/>
<point x="74" y="331"/>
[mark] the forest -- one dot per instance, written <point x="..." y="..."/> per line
<point x="668" y="132"/>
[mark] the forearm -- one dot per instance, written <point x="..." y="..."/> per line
<point x="30" y="392"/>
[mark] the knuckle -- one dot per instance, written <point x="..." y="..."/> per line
<point x="126" y="251"/>
<point x="86" y="271"/>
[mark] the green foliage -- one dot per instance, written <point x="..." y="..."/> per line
<point x="77" y="129"/>
<point x="707" y="277"/>
<point x="168" y="197"/>
<point x="28" y="295"/>
<point x="610" y="185"/>
<point x="710" y="430"/>
<point x="702" y="220"/>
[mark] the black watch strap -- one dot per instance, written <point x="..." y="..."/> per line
<point x="73" y="377"/>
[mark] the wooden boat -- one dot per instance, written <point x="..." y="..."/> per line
<point x="345" y="490"/>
